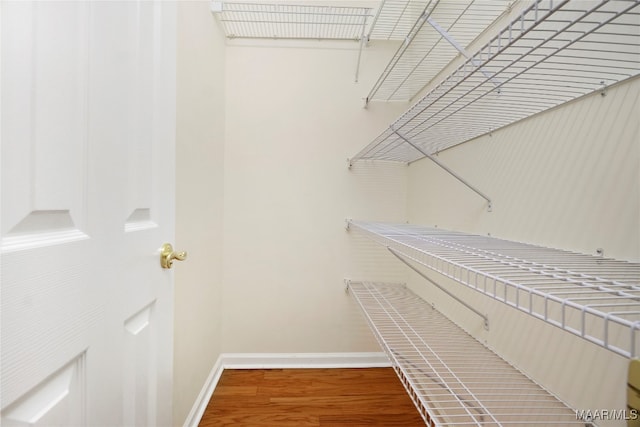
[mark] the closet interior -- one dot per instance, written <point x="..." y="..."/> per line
<point x="466" y="69"/>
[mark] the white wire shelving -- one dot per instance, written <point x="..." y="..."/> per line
<point x="438" y="32"/>
<point x="292" y="21"/>
<point x="451" y="377"/>
<point x="395" y="19"/>
<point x="595" y="298"/>
<point x="554" y="52"/>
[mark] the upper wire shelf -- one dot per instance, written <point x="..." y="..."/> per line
<point x="439" y="32"/>
<point x="595" y="298"/>
<point x="451" y="377"/>
<point x="554" y="52"/>
<point x="395" y="19"/>
<point x="291" y="21"/>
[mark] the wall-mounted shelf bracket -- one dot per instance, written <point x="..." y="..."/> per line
<point x="484" y="317"/>
<point x="362" y="43"/>
<point x="347" y="283"/>
<point x="603" y="88"/>
<point x="452" y="41"/>
<point x="447" y="169"/>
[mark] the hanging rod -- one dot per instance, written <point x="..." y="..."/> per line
<point x="452" y="378"/>
<point x="594" y="298"/>
<point x="554" y="52"/>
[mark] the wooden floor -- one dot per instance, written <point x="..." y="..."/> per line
<point x="310" y="397"/>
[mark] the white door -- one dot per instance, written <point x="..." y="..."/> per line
<point x="87" y="200"/>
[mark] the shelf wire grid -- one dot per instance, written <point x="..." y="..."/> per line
<point x="291" y="21"/>
<point x="451" y="377"/>
<point x="425" y="51"/>
<point x="395" y="18"/>
<point x="554" y="52"/>
<point x="595" y="298"/>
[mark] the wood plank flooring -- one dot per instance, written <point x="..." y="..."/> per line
<point x="310" y="397"/>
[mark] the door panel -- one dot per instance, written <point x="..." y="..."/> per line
<point x="141" y="118"/>
<point x="140" y="372"/>
<point x="59" y="400"/>
<point x="51" y="307"/>
<point x="87" y="200"/>
<point x="44" y="191"/>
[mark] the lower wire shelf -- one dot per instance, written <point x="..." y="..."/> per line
<point x="595" y="298"/>
<point x="452" y="378"/>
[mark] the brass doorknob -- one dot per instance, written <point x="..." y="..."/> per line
<point x="167" y="256"/>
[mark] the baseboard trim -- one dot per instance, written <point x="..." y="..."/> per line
<point x="195" y="415"/>
<point x="278" y="361"/>
<point x="303" y="360"/>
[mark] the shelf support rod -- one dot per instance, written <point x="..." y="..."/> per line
<point x="448" y="37"/>
<point x="451" y="172"/>
<point x="428" y="279"/>
<point x="375" y="19"/>
<point x="362" y="41"/>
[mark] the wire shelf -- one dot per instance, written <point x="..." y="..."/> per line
<point x="426" y="50"/>
<point x="595" y="298"/>
<point x="452" y="378"/>
<point x="554" y="52"/>
<point x="290" y="21"/>
<point x="396" y="18"/>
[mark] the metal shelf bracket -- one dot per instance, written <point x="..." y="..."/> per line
<point x="446" y="168"/>
<point x="485" y="318"/>
<point x="452" y="41"/>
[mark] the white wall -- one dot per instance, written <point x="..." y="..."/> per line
<point x="199" y="197"/>
<point x="568" y="178"/>
<point x="262" y="149"/>
<point x="293" y="116"/>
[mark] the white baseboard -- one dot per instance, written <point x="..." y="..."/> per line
<point x="279" y="361"/>
<point x="303" y="360"/>
<point x="195" y="415"/>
